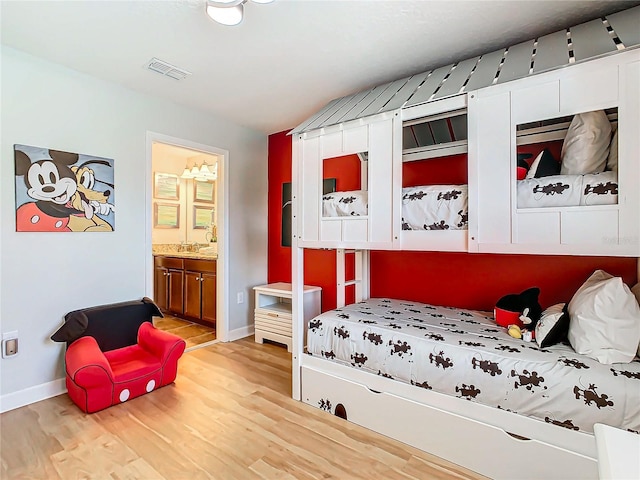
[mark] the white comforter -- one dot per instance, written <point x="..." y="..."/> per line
<point x="465" y="354"/>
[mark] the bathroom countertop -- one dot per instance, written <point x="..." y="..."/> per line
<point x="195" y="255"/>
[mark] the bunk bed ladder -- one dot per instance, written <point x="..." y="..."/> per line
<point x="361" y="275"/>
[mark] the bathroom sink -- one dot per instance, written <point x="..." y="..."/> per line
<point x="209" y="250"/>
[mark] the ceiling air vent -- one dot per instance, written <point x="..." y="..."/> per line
<point x="166" y="69"/>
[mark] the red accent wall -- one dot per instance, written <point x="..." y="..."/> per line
<point x="464" y="280"/>
<point x="435" y="171"/>
<point x="346" y="171"/>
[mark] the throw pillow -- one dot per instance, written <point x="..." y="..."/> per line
<point x="604" y="320"/>
<point x="612" y="160"/>
<point x="586" y="146"/>
<point x="544" y="166"/>
<point x="553" y="326"/>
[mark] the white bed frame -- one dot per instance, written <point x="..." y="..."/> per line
<point x="492" y="442"/>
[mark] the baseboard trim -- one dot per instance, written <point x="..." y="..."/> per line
<point x="239" y="333"/>
<point x="30" y="395"/>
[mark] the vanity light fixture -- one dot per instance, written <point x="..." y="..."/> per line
<point x="202" y="173"/>
<point x="186" y="173"/>
<point x="228" y="12"/>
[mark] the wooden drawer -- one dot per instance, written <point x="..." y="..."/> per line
<point x="273" y="314"/>
<point x="208" y="266"/>
<point x="169" y="262"/>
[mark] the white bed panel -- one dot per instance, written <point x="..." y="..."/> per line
<point x="355" y="230"/>
<point x="591" y="89"/>
<point x="380" y="166"/>
<point x="527" y="107"/>
<point x="527" y="227"/>
<point x="435" y="240"/>
<point x="331" y="145"/>
<point x="331" y="230"/>
<point x="456" y="438"/>
<point x="599" y="227"/>
<point x="310" y="167"/>
<point x="491" y="156"/>
<point x="356" y="139"/>
<point x="629" y="126"/>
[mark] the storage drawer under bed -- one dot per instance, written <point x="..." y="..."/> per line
<point x="478" y="446"/>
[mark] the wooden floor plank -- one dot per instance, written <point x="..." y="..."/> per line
<point x="228" y="415"/>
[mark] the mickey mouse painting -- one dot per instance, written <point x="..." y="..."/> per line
<point x="49" y="197"/>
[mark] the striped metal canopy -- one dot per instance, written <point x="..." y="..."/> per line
<point x="601" y="36"/>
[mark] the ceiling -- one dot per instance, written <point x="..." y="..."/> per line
<point x="287" y="59"/>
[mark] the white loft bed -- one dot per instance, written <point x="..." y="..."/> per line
<point x="493" y="442"/>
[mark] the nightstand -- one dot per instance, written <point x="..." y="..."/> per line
<point x="273" y="319"/>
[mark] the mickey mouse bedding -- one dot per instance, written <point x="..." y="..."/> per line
<point x="464" y="353"/>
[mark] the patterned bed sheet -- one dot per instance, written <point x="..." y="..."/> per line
<point x="435" y="207"/>
<point x="465" y="354"/>
<point x="569" y="190"/>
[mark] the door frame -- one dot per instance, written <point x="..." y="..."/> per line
<point x="222" y="202"/>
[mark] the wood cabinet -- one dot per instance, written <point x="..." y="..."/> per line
<point x="169" y="284"/>
<point x="186" y="288"/>
<point x="200" y="291"/>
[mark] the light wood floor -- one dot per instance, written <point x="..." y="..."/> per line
<point x="229" y="415"/>
<point x="192" y="333"/>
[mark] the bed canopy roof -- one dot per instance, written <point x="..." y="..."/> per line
<point x="597" y="37"/>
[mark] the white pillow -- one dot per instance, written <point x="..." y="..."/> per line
<point x="586" y="146"/>
<point x="604" y="320"/>
<point x="612" y="161"/>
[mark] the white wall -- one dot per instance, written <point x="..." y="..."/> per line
<point x="45" y="275"/>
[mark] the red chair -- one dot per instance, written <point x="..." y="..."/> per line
<point x="114" y="353"/>
<point x="96" y="379"/>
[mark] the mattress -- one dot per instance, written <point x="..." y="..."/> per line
<point x="463" y="353"/>
<point x="435" y="207"/>
<point x="569" y="190"/>
<point x="345" y="204"/>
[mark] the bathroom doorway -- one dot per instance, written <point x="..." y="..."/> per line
<point x="186" y="236"/>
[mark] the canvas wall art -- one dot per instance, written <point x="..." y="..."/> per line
<point x="63" y="192"/>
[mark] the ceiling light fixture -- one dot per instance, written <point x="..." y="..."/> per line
<point x="228" y="12"/>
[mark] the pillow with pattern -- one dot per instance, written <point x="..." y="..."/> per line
<point x="553" y="326"/>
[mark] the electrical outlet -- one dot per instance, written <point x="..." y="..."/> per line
<point x="240" y="297"/>
<point x="9" y="344"/>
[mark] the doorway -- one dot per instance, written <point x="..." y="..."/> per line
<point x="185" y="212"/>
